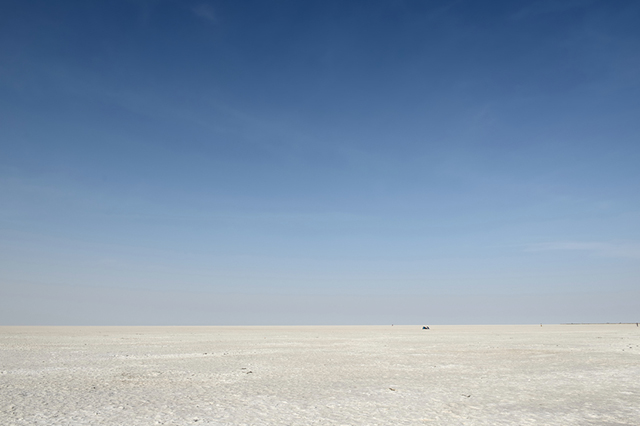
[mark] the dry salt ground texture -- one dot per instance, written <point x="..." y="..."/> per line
<point x="400" y="375"/>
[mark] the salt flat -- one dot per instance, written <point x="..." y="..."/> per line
<point x="378" y="375"/>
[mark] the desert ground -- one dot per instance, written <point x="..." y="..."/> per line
<point x="324" y="375"/>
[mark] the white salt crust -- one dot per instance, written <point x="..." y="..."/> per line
<point x="379" y="375"/>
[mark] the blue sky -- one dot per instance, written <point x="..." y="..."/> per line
<point x="319" y="162"/>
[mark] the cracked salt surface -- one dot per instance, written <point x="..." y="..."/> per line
<point x="461" y="375"/>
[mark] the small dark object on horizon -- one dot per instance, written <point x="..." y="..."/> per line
<point x="425" y="327"/>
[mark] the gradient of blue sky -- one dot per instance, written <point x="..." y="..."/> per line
<point x="170" y="162"/>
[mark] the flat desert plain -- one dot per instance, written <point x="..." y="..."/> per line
<point x="348" y="375"/>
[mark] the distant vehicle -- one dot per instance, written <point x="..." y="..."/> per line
<point x="426" y="327"/>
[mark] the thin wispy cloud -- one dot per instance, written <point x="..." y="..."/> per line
<point x="619" y="250"/>
<point x="545" y="7"/>
<point x="205" y="11"/>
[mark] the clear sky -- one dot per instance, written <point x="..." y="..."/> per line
<point x="319" y="162"/>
